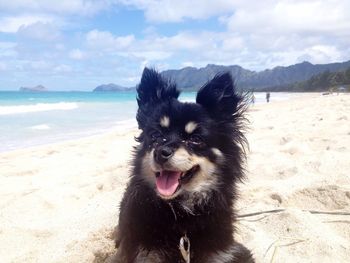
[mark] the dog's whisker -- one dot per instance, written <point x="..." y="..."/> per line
<point x="188" y="210"/>
<point x="172" y="209"/>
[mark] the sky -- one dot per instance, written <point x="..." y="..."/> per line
<point x="80" y="44"/>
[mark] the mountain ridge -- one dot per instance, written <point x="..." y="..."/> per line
<point x="193" y="78"/>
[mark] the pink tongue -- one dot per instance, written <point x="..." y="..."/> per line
<point x="167" y="182"/>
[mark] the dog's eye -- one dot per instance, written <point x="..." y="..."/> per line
<point x="196" y="140"/>
<point x="157" y="137"/>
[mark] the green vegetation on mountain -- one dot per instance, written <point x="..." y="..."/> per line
<point x="299" y="77"/>
<point x="193" y="78"/>
<point x="326" y="81"/>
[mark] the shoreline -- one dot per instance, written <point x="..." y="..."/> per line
<point x="104" y="132"/>
<point x="131" y="125"/>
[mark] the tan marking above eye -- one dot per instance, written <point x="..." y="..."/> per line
<point x="165" y="122"/>
<point x="217" y="152"/>
<point x="190" y="127"/>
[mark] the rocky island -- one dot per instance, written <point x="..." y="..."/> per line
<point x="38" y="88"/>
<point x="111" y="87"/>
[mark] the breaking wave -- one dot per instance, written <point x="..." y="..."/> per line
<point x="39" y="107"/>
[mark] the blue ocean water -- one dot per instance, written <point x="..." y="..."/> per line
<point x="36" y="118"/>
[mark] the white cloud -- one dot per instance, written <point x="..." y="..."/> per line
<point x="43" y="67"/>
<point x="76" y="54"/>
<point x="7" y="45"/>
<point x="150" y="56"/>
<point x="54" y="37"/>
<point x="40" y="65"/>
<point x="3" y="66"/>
<point x="7" y="49"/>
<point x="39" y="31"/>
<point x="105" y="40"/>
<point x="158" y="45"/>
<point x="292" y="16"/>
<point x="283" y="32"/>
<point x="176" y="11"/>
<point x="62" y="68"/>
<point x="11" y="24"/>
<point x="59" y="46"/>
<point x="253" y="51"/>
<point x="180" y="41"/>
<point x="78" y="7"/>
<point x="321" y="54"/>
<point x="233" y="42"/>
<point x="259" y="34"/>
<point x="187" y="64"/>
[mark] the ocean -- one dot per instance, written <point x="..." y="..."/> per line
<point x="36" y="118"/>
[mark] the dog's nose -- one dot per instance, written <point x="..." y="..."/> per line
<point x="162" y="154"/>
<point x="166" y="152"/>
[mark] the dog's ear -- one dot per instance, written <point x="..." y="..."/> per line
<point x="218" y="96"/>
<point x="152" y="90"/>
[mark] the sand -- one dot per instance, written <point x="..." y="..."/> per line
<point x="59" y="202"/>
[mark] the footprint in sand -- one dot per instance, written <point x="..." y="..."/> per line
<point x="342" y="149"/>
<point x="29" y="191"/>
<point x="42" y="233"/>
<point x="347" y="194"/>
<point x="50" y="152"/>
<point x="315" y="165"/>
<point x="342" y="118"/>
<point x="291" y="150"/>
<point x="328" y="197"/>
<point x="276" y="197"/>
<point x="48" y="205"/>
<point x="27" y="172"/>
<point x="285" y="140"/>
<point x="287" y="172"/>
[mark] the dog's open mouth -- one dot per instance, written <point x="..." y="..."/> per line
<point x="168" y="182"/>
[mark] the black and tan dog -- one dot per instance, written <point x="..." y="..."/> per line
<point x="178" y="205"/>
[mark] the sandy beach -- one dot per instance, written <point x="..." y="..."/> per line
<point x="59" y="202"/>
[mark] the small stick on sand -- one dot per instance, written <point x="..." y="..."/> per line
<point x="261" y="212"/>
<point x="328" y="212"/>
<point x="283" y="209"/>
<point x="276" y="247"/>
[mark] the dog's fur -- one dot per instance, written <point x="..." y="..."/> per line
<point x="204" y="138"/>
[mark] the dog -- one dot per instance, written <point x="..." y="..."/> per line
<point x="178" y="204"/>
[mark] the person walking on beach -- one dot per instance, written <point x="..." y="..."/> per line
<point x="267" y="97"/>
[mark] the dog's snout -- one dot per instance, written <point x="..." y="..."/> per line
<point x="166" y="152"/>
<point x="162" y="154"/>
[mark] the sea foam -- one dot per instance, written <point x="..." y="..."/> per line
<point x="18" y="109"/>
<point x="41" y="127"/>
